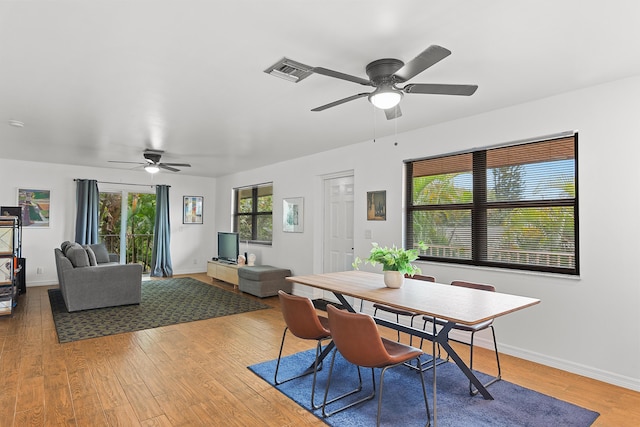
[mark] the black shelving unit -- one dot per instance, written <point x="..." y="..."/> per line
<point x="9" y="263"/>
<point x="18" y="211"/>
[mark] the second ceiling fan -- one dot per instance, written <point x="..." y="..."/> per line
<point x="386" y="74"/>
<point x="152" y="163"/>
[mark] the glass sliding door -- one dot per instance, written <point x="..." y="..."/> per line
<point x="126" y="225"/>
<point x="110" y="221"/>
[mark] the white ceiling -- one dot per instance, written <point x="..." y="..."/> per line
<point x="102" y="80"/>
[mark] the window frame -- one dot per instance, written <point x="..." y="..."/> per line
<point x="480" y="206"/>
<point x="254" y="214"/>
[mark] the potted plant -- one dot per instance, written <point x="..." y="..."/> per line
<point x="396" y="262"/>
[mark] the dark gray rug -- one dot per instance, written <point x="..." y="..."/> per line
<point x="403" y="405"/>
<point x="164" y="302"/>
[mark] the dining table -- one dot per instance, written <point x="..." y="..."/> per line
<point x="451" y="305"/>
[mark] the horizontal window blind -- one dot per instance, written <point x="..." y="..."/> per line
<point x="512" y="206"/>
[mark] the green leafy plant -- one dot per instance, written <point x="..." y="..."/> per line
<point x="393" y="259"/>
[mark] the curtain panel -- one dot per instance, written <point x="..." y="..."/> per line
<point x="87" y="202"/>
<point x="161" y="255"/>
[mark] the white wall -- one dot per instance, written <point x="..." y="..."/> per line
<point x="189" y="243"/>
<point x="589" y="324"/>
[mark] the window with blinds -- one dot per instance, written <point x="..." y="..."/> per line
<point x="512" y="206"/>
<point x="253" y="217"/>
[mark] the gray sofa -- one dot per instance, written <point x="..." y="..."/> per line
<point x="89" y="277"/>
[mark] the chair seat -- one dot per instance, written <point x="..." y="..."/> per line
<point x="398" y="352"/>
<point x="325" y="324"/>
<point x="460" y="327"/>
<point x="473" y="328"/>
<point x="394" y="310"/>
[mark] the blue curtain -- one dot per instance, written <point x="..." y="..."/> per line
<point x="161" y="255"/>
<point x="87" y="202"/>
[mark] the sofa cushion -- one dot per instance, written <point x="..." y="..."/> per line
<point x="100" y="250"/>
<point x="92" y="255"/>
<point x="78" y="256"/>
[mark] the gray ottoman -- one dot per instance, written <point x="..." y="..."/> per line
<point x="263" y="280"/>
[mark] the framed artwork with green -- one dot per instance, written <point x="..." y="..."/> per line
<point x="35" y="205"/>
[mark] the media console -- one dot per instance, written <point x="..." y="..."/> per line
<point x="223" y="271"/>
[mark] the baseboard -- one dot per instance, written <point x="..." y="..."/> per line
<point x="33" y="284"/>
<point x="575" y="368"/>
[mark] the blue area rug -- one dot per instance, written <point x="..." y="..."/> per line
<point x="403" y="405"/>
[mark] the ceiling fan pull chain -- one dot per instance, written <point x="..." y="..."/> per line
<point x="395" y="125"/>
<point x="373" y="116"/>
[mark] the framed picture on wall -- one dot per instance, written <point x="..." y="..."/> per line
<point x="35" y="205"/>
<point x="192" y="209"/>
<point x="293" y="215"/>
<point x="376" y="205"/>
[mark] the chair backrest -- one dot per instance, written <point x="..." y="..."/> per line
<point x="472" y="285"/>
<point x="300" y="317"/>
<point x="421" y="277"/>
<point x="357" y="338"/>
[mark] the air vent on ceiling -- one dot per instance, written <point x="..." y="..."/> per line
<point x="289" y="70"/>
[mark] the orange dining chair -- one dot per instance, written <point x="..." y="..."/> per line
<point x="358" y="340"/>
<point x="399" y="312"/>
<point x="303" y="322"/>
<point x="472" y="329"/>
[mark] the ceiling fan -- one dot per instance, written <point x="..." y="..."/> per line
<point x="385" y="74"/>
<point x="152" y="162"/>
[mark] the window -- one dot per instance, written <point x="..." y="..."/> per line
<point x="253" y="218"/>
<point x="512" y="207"/>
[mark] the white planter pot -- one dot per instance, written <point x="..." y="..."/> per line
<point x="393" y="279"/>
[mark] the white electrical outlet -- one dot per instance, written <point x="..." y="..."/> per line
<point x="39" y="270"/>
<point x="367" y="234"/>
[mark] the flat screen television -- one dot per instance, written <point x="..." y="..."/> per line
<point x="228" y="246"/>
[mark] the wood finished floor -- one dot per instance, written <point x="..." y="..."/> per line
<point x="195" y="374"/>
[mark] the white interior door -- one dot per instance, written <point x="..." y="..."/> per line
<point x="338" y="226"/>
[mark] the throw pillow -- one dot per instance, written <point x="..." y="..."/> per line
<point x="64" y="246"/>
<point x="91" y="254"/>
<point x="78" y="256"/>
<point x="69" y="246"/>
<point x="100" y="250"/>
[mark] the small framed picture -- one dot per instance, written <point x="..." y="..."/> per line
<point x="376" y="205"/>
<point x="35" y="206"/>
<point x="192" y="209"/>
<point x="293" y="215"/>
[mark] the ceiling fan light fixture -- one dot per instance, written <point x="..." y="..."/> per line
<point x="152" y="168"/>
<point x="385" y="97"/>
